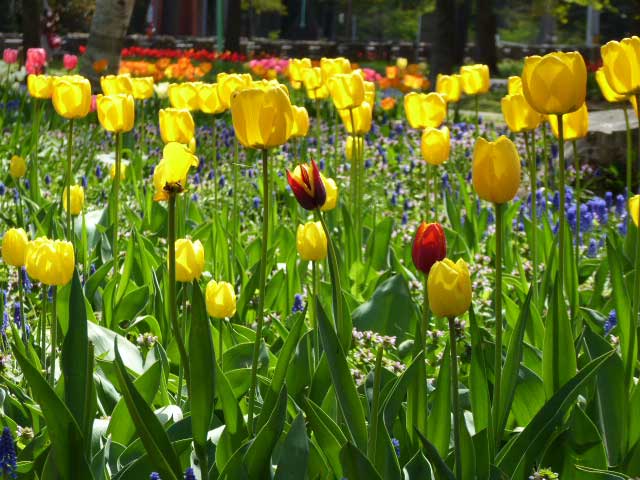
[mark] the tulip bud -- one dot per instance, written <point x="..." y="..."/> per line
<point x="184" y="96"/>
<point x="210" y="99"/>
<point x="116" y="112"/>
<point x="435" y="145"/>
<point x="450" y="87"/>
<point x="634" y="210"/>
<point x="176" y="125"/>
<point x="170" y="175"/>
<point x="40" y="86"/>
<point x="262" y="118"/>
<point x="14" y="247"/>
<point x="621" y="65"/>
<point x="332" y="194"/>
<point x="311" y="241"/>
<point x="575" y="124"/>
<point x="77" y="199"/>
<point x="116" y="84"/>
<point x="449" y="288"/>
<point x="518" y="114"/>
<point x="556" y="83"/>
<point x="300" y="122"/>
<point x="142" y="87"/>
<point x="425" y="109"/>
<point x="475" y="79"/>
<point x="347" y="90"/>
<point x="189" y="260"/>
<point x="71" y="96"/>
<point x="308" y="186"/>
<point x="429" y="246"/>
<point x="361" y="119"/>
<point x="17" y="166"/>
<point x="496" y="170"/>
<point x="220" y="299"/>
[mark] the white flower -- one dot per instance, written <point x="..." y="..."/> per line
<point x="162" y="89"/>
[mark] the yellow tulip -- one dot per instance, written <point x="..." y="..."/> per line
<point x="189" y="260"/>
<point x="621" y="65"/>
<point x="347" y="90"/>
<point x="556" y="83"/>
<point x="220" y="299"/>
<point x="425" y="109"/>
<point x="435" y="145"/>
<point x="176" y="125"/>
<point x="170" y="175"/>
<point x="228" y="84"/>
<point x="312" y="78"/>
<point x="311" y="241"/>
<point x="116" y="112"/>
<point x="297" y="66"/>
<point x="77" y="199"/>
<point x="450" y="87"/>
<point x="361" y="119"/>
<point x="575" y="124"/>
<point x="496" y="170"/>
<point x="300" y="122"/>
<point x="359" y="144"/>
<point x="518" y="114"/>
<point x="401" y="63"/>
<point x="209" y="99"/>
<point x="184" y="96"/>
<point x="607" y="92"/>
<point x="634" y="211"/>
<point x="72" y="96"/>
<point x="475" y="79"/>
<point x="262" y="118"/>
<point x="514" y="85"/>
<point x="370" y="93"/>
<point x="449" y="288"/>
<point x="116" y="84"/>
<point x="331" y="190"/>
<point x="192" y="145"/>
<point x="123" y="171"/>
<point x="51" y="262"/>
<point x="14" y="247"/>
<point x="17" y="166"/>
<point x="40" y="86"/>
<point x="333" y="66"/>
<point x="142" y="87"/>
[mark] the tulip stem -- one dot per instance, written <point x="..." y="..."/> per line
<point x="335" y="281"/>
<point x="477" y="122"/>
<point x="629" y="151"/>
<point x="314" y="318"/>
<point x="69" y="160"/>
<point x="454" y="396"/>
<point x="21" y="300"/>
<point x="173" y="307"/>
<point x="499" y="208"/>
<point x="234" y="213"/>
<point x="427" y="194"/>
<point x="116" y="200"/>
<point x="317" y="125"/>
<point x="54" y="336"/>
<point x="261" y="286"/>
<point x="545" y="158"/>
<point x="214" y="134"/>
<point x="534" y="211"/>
<point x="638" y="118"/>
<point x="35" y="137"/>
<point x="576" y="159"/>
<point x="221" y="341"/>
<point x="561" y="207"/>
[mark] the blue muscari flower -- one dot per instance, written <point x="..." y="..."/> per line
<point x="84" y="181"/>
<point x="211" y="175"/>
<point x="554" y="150"/>
<point x="3" y="189"/>
<point x="154" y="476"/>
<point x="396" y="445"/>
<point x="368" y="163"/>
<point x="189" y="474"/>
<point x="622" y="228"/>
<point x="608" y="198"/>
<point x="445" y="180"/>
<point x="407" y="204"/>
<point x="8" y="457"/>
<point x="196" y="178"/>
<point x="556" y="228"/>
<point x="593" y="248"/>
<point x="195" y="197"/>
<point x="611" y="322"/>
<point x="407" y="169"/>
<point x="26" y="281"/>
<point x="222" y="180"/>
<point x="16" y="194"/>
<point x="256" y="202"/>
<point x="571" y="216"/>
<point x="27" y="184"/>
<point x="398" y="187"/>
<point x="621" y="204"/>
<point x="98" y="172"/>
<point x="298" y="303"/>
<point x="50" y="294"/>
<point x="321" y="164"/>
<point x="394" y="199"/>
<point x="555" y="201"/>
<point x="586" y="218"/>
<point x="469" y="177"/>
<point x="491" y="218"/>
<point x="405" y="218"/>
<point x="17" y="313"/>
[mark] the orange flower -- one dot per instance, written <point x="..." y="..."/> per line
<point x="100" y="66"/>
<point x="388" y="103"/>
<point x="163" y="63"/>
<point x="392" y="71"/>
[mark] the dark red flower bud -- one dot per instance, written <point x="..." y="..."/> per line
<point x="308" y="186"/>
<point x="429" y="246"/>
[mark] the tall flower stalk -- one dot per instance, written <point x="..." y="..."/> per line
<point x="68" y="179"/>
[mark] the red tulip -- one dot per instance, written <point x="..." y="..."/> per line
<point x="69" y="61"/>
<point x="10" y="55"/>
<point x="308" y="186"/>
<point x="429" y="246"/>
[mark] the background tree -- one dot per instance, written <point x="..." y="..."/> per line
<point x="486" y="29"/>
<point x="31" y="23"/>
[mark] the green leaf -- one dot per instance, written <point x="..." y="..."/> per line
<point x="597" y="474"/>
<point x="439" y="425"/>
<point x="295" y="452"/>
<point x="529" y="443"/>
<point x="479" y="385"/>
<point x="343" y="382"/>
<point x="202" y="362"/>
<point x="150" y="430"/>
<point x="328" y="435"/>
<point x="378" y="247"/>
<point x="430" y="451"/>
<point x="356" y="464"/>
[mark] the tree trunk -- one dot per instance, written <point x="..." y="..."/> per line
<point x="233" y="27"/>
<point x="462" y="12"/>
<point x="486" y="35"/>
<point x="442" y="49"/>
<point x="106" y="37"/>
<point x="31" y="15"/>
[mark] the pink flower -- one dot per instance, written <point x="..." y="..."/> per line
<point x="93" y="104"/>
<point x="36" y="60"/>
<point x="69" y="61"/>
<point x="10" y="55"/>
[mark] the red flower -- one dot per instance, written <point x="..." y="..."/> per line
<point x="308" y="186"/>
<point x="429" y="246"/>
